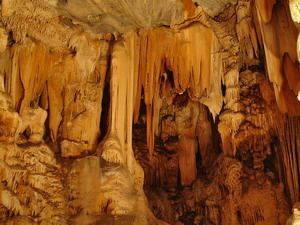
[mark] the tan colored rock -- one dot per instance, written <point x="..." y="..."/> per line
<point x="72" y="148"/>
<point x="109" y="16"/>
<point x="83" y="93"/>
<point x="295" y="218"/>
<point x="215" y="7"/>
<point x="295" y="14"/>
<point x="295" y="10"/>
<point x="31" y="176"/>
<point x="10" y="120"/>
<point x="8" y="8"/>
<point x="3" y="38"/>
<point x="275" y="51"/>
<point x="33" y="120"/>
<point x="52" y="79"/>
<point x="37" y="19"/>
<point x="85" y="193"/>
<point x="265" y="9"/>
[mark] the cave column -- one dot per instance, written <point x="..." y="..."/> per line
<point x="124" y="67"/>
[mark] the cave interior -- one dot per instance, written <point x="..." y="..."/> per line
<point x="136" y="112"/>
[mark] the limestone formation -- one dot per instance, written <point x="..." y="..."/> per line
<point x="295" y="218"/>
<point x="149" y="112"/>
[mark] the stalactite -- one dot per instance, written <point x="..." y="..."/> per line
<point x="265" y="8"/>
<point x="291" y="70"/>
<point x="294" y="8"/>
<point x="204" y="135"/>
<point x="280" y="52"/>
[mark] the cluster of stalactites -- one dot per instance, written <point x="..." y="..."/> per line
<point x="189" y="56"/>
<point x="69" y="86"/>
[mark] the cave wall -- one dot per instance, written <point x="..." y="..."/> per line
<point x="139" y="113"/>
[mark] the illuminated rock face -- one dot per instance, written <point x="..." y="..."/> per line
<point x="295" y="217"/>
<point x="149" y="112"/>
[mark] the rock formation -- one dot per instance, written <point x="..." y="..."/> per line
<point x="149" y="112"/>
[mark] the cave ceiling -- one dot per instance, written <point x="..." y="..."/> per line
<point x="111" y="16"/>
<point x="120" y="16"/>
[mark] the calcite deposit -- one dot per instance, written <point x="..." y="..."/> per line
<point x="141" y="112"/>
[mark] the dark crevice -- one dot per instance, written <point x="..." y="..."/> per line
<point x="199" y="164"/>
<point x="169" y="72"/>
<point x="223" y="88"/>
<point x="216" y="136"/>
<point x="179" y="178"/>
<point x="106" y="98"/>
<point x="143" y="109"/>
<point x="10" y="39"/>
<point x="270" y="164"/>
<point x="104" y="121"/>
